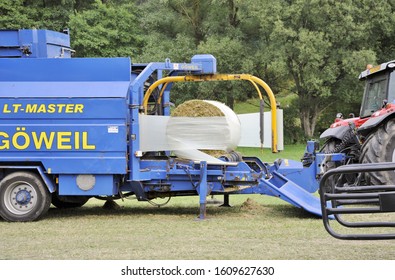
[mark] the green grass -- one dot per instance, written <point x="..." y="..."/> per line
<point x="263" y="228"/>
<point x="267" y="229"/>
<point x="294" y="152"/>
<point x="249" y="106"/>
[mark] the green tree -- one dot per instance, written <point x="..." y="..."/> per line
<point x="317" y="44"/>
<point x="233" y="61"/>
<point x="13" y="15"/>
<point x="106" y="30"/>
<point x="217" y="27"/>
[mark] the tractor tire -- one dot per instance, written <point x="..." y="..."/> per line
<point x="63" y="202"/>
<point x="23" y="197"/>
<point x="329" y="146"/>
<point x="380" y="147"/>
<point x="334" y="145"/>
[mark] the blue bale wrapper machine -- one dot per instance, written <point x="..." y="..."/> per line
<point x="70" y="131"/>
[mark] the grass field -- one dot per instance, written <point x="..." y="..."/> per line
<point x="256" y="227"/>
<point x="294" y="152"/>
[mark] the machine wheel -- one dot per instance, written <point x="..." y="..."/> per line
<point x="380" y="147"/>
<point x="23" y="197"/>
<point x="63" y="202"/>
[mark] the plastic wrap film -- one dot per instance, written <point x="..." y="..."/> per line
<point x="250" y="130"/>
<point x="185" y="136"/>
<point x="233" y="123"/>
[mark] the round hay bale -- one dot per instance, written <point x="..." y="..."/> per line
<point x="197" y="108"/>
<point x="207" y="108"/>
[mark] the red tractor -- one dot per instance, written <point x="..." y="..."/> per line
<point x="369" y="138"/>
<point x="359" y="196"/>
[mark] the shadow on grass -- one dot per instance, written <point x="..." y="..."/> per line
<point x="289" y="211"/>
<point x="272" y="211"/>
<point x="131" y="211"/>
<point x="278" y="211"/>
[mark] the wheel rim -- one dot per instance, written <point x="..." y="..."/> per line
<point x="20" y="198"/>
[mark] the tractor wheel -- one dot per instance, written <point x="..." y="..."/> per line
<point x="380" y="147"/>
<point x="23" y="197"/>
<point x="330" y="146"/>
<point x="63" y="202"/>
<point x="347" y="147"/>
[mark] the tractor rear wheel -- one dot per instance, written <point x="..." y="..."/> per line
<point x="380" y="147"/>
<point x="23" y="197"/>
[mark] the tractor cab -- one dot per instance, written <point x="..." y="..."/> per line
<point x="378" y="103"/>
<point x="378" y="91"/>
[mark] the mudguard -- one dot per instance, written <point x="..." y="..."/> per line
<point x="373" y="122"/>
<point x="336" y="132"/>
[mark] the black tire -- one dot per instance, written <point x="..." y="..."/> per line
<point x="380" y="147"/>
<point x="329" y="147"/>
<point x="63" y="202"/>
<point x="334" y="145"/>
<point x="23" y="197"/>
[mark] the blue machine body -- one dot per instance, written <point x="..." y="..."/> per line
<point x="77" y="120"/>
<point x="34" y="43"/>
<point x="68" y="115"/>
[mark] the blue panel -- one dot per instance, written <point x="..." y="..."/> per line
<point x="294" y="194"/>
<point x="103" y="185"/>
<point x="72" y="137"/>
<point x="64" y="89"/>
<point x="69" y="136"/>
<point x="9" y="38"/>
<point x="304" y="177"/>
<point x="37" y="43"/>
<point x="64" y="77"/>
<point x="62" y="108"/>
<point x="65" y="70"/>
<point x="51" y="38"/>
<point x="8" y="52"/>
<point x="207" y="61"/>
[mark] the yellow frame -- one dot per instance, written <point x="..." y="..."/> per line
<point x="222" y="77"/>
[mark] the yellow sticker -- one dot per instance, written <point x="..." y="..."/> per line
<point x="374" y="69"/>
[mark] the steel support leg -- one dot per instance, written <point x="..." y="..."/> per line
<point x="203" y="190"/>
<point x="226" y="201"/>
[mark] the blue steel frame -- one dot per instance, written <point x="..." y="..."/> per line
<point x="136" y="100"/>
<point x="286" y="179"/>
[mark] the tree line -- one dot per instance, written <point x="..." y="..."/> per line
<point x="310" y="50"/>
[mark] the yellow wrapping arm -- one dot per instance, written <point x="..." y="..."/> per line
<point x="222" y="77"/>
